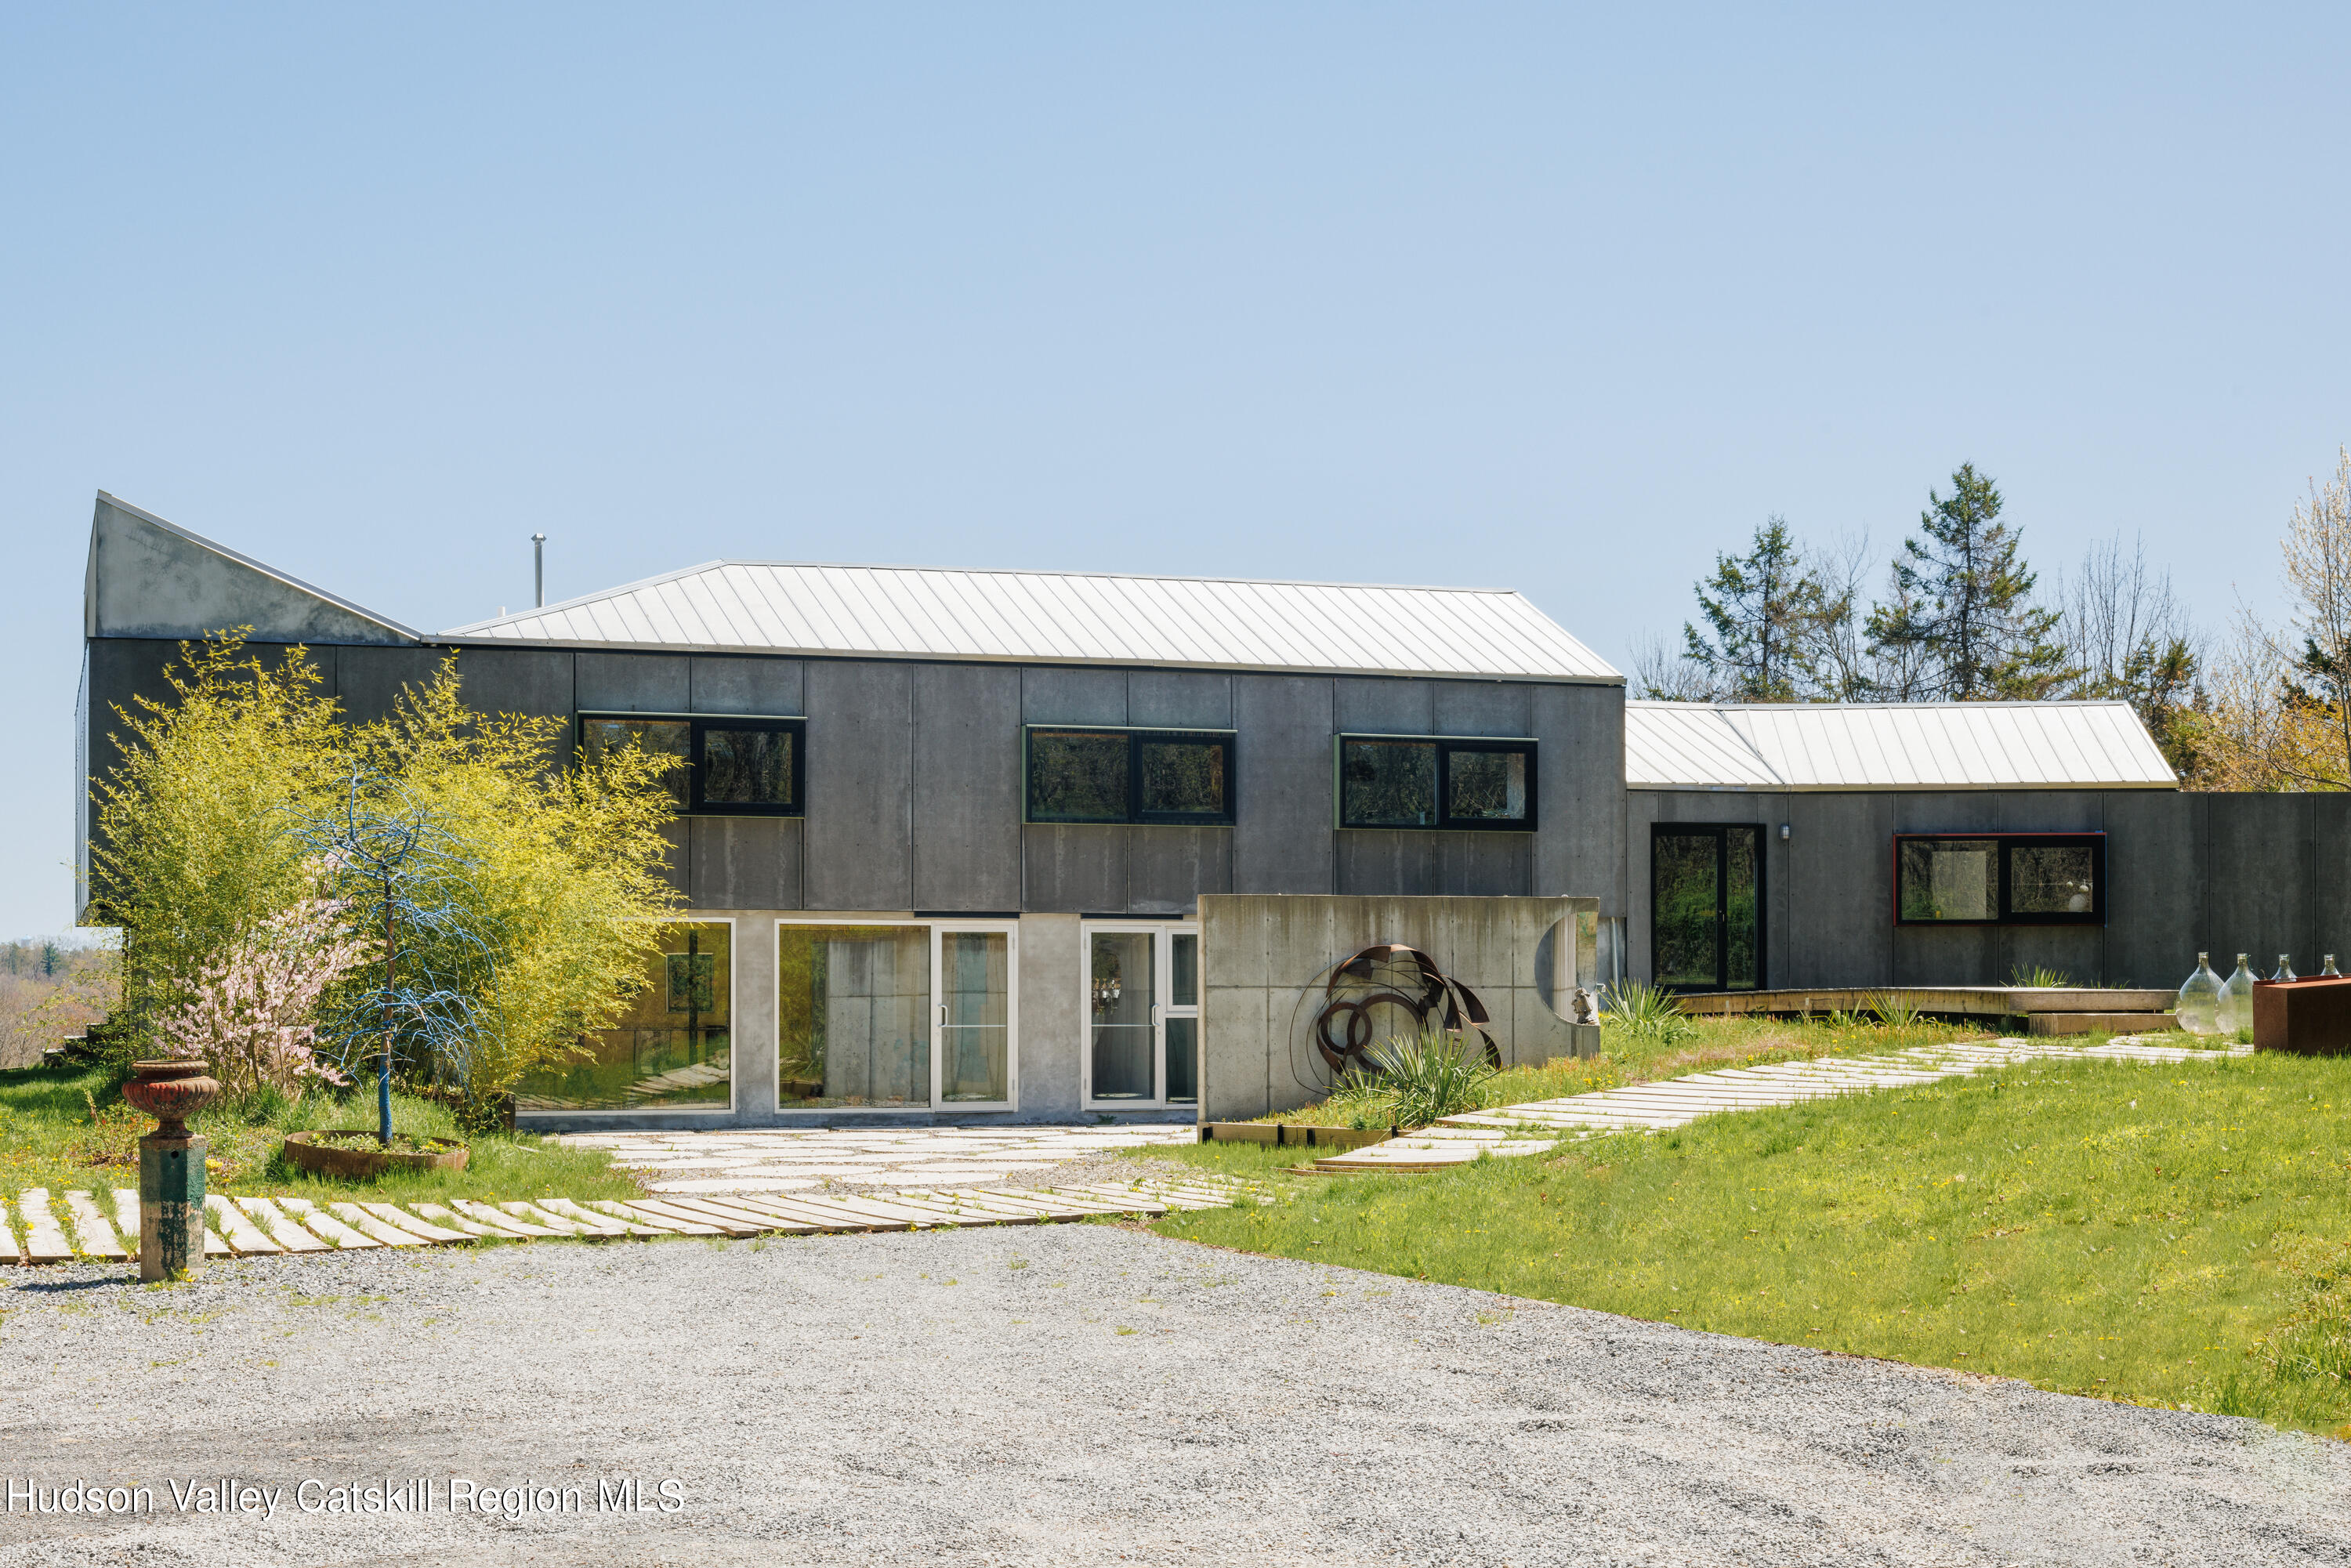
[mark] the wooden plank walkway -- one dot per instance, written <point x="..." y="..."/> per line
<point x="1513" y="1130"/>
<point x="255" y="1227"/>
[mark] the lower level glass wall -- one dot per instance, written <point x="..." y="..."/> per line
<point x="892" y="1016"/>
<point x="672" y="1051"/>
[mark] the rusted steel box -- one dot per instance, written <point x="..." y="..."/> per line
<point x="2309" y="1018"/>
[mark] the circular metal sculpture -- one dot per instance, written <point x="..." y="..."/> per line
<point x="1390" y="989"/>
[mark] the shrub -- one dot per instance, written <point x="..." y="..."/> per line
<point x="252" y="1009"/>
<point x="1647" y="1013"/>
<point x="1429" y="1076"/>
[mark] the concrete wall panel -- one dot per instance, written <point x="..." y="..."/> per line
<point x="1581" y="848"/>
<point x="1837" y="875"/>
<point x="1180" y="699"/>
<point x="1485" y="707"/>
<point x="1372" y="862"/>
<point x="2156" y="852"/>
<point x="1282" y="843"/>
<point x="967" y="814"/>
<point x="1169" y="868"/>
<point x="367" y="682"/>
<point x="1079" y="869"/>
<point x="635" y="683"/>
<point x="534" y="680"/>
<point x="769" y="686"/>
<point x="2330" y="919"/>
<point x="745" y="863"/>
<point x="2052" y="810"/>
<point x="1484" y="865"/>
<point x="2262" y="856"/>
<point x="860" y="781"/>
<point x="1053" y="971"/>
<point x="1369" y="706"/>
<point x="1061" y="696"/>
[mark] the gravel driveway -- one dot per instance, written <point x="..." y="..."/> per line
<point x="1076" y="1394"/>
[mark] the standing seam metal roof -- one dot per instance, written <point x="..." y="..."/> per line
<point x="1890" y="745"/>
<point x="889" y="611"/>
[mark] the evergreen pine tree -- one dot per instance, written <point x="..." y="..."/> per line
<point x="1964" y="601"/>
<point x="1763" y="607"/>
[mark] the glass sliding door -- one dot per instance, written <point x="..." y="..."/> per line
<point x="975" y="1016"/>
<point x="1142" y="1011"/>
<point x="1706" y="906"/>
<point x="903" y="1017"/>
<point x="672" y="1050"/>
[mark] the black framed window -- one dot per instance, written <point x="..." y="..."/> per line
<point x="2000" y="879"/>
<point x="1706" y="906"/>
<point x="1164" y="776"/>
<point x="725" y="766"/>
<point x="1435" y="781"/>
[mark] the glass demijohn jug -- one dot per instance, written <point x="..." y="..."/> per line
<point x="2200" y="999"/>
<point x="2284" y="969"/>
<point x="2329" y="972"/>
<point x="2237" y="1001"/>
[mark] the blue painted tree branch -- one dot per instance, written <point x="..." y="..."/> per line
<point x="397" y="869"/>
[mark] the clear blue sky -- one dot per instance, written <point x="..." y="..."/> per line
<point x="1457" y="294"/>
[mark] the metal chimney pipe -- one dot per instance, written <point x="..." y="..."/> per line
<point x="538" y="566"/>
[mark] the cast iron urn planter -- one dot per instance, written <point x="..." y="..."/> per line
<point x="170" y="1165"/>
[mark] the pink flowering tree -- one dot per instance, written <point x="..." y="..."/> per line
<point x="252" y="1011"/>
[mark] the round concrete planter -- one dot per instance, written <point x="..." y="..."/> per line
<point x="303" y="1152"/>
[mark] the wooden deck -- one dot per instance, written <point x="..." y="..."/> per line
<point x="1950" y="1001"/>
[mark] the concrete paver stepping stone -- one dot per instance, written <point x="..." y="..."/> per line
<point x="651" y="1213"/>
<point x="367" y="1224"/>
<point x="394" y="1215"/>
<point x="44" y="1242"/>
<point x="494" y="1229"/>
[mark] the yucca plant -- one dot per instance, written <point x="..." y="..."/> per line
<point x="1430" y="1076"/>
<point x="1648" y="1013"/>
<point x="1894" y="1009"/>
<point x="2040" y="977"/>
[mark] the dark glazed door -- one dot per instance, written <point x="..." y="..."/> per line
<point x="1706" y="907"/>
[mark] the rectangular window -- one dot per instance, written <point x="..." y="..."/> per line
<point x="1435" y="781"/>
<point x="2000" y="879"/>
<point x="1170" y="776"/>
<point x="672" y="1050"/>
<point x="723" y="766"/>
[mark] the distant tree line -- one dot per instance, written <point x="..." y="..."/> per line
<point x="1962" y="617"/>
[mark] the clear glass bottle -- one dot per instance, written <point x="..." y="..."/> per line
<point x="2199" y="998"/>
<point x="2237" y="1001"/>
<point x="2284" y="969"/>
<point x="2330" y="972"/>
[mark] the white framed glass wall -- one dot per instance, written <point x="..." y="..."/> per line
<point x="671" y="1050"/>
<point x="896" y="1015"/>
<point x="1141" y="1002"/>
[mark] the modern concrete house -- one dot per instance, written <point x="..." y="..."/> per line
<point x="977" y="845"/>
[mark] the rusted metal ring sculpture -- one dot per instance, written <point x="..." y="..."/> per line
<point x="1344" y="1029"/>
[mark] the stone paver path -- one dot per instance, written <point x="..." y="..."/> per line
<point x="1675" y="1102"/>
<point x="247" y="1226"/>
<point x="790" y="1159"/>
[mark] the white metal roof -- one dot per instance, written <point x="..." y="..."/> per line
<point x="1890" y="745"/>
<point x="919" y="612"/>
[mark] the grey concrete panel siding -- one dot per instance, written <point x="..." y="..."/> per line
<point x="1180" y="699"/>
<point x="1052" y="1027"/>
<point x="1485" y="707"/>
<point x="860" y="787"/>
<point x="368" y="682"/>
<point x="769" y="686"/>
<point x="2263" y="857"/>
<point x="1168" y="868"/>
<point x="636" y="683"/>
<point x="2156" y="884"/>
<point x="1053" y="694"/>
<point x="1075" y="868"/>
<point x="1376" y="706"/>
<point x="745" y="863"/>
<point x="1283" y="839"/>
<point x="966" y="811"/>
<point x="1582" y="848"/>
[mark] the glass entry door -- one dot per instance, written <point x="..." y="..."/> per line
<point x="1142" y="1016"/>
<point x="1706" y="906"/>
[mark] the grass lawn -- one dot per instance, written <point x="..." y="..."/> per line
<point x="1707" y="1043"/>
<point x="62" y="1127"/>
<point x="2165" y="1235"/>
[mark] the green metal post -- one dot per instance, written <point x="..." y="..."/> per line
<point x="170" y="1204"/>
